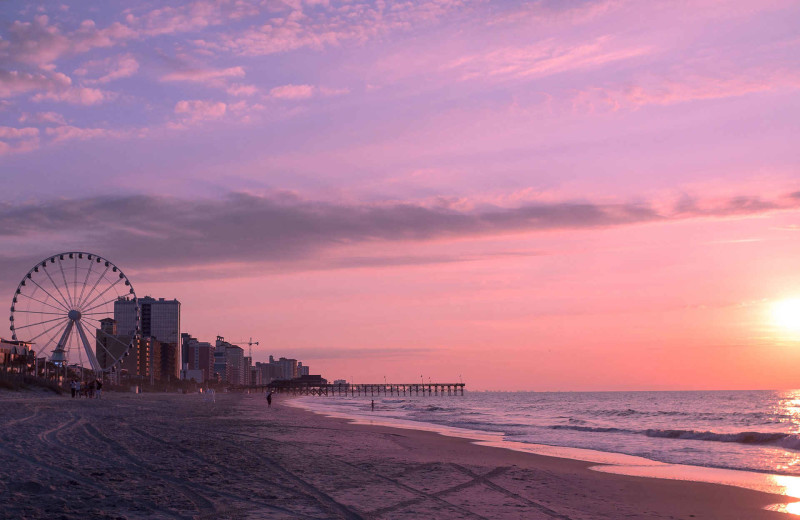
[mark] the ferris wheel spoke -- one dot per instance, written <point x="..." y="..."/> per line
<point x="63" y="299"/>
<point x="98" y="305"/>
<point x="41" y="312"/>
<point x="66" y="284"/>
<point x="89" y="354"/>
<point x="98" y="326"/>
<point x="111" y="336"/>
<point x="75" y="282"/>
<point x="102" y="293"/>
<point x="114" y="338"/>
<point x="40" y="301"/>
<point x="61" y="302"/>
<point x="66" y="300"/>
<point x="46" y="331"/>
<point x="37" y="323"/>
<point x="96" y="282"/>
<point x="85" y="282"/>
<point x="101" y="345"/>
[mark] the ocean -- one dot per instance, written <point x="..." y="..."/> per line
<point x="750" y="432"/>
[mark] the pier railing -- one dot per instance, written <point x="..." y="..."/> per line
<point x="366" y="389"/>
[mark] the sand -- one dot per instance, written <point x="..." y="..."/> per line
<point x="176" y="456"/>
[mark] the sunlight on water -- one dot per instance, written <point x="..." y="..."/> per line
<point x="789" y="486"/>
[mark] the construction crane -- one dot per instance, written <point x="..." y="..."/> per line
<point x="249" y="344"/>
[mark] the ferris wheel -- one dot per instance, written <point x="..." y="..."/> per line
<point x="65" y="305"/>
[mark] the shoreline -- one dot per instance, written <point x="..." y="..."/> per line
<point x="175" y="456"/>
<point x="606" y="461"/>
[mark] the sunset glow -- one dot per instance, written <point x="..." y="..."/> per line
<point x="786" y="314"/>
<point x="549" y="195"/>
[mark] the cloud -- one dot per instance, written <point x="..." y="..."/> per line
<point x="317" y="25"/>
<point x="292" y="92"/>
<point x="211" y="77"/>
<point x="43" y="118"/>
<point x="682" y="86"/>
<point x="19" y="145"/>
<point x="66" y="133"/>
<point x="544" y="58"/>
<point x="113" y="68"/>
<point x="76" y="96"/>
<point x="7" y="132"/>
<point x="283" y="228"/>
<point x="39" y="43"/>
<point x="295" y="92"/>
<point x="190" y="17"/>
<point x="55" y="86"/>
<point x="13" y="82"/>
<point x="197" y="109"/>
<point x="238" y="89"/>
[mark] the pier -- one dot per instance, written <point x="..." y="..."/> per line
<point x="366" y="389"/>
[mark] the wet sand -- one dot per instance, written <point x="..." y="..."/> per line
<point x="175" y="456"/>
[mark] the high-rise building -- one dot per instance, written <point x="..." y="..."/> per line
<point x="142" y="359"/>
<point x="288" y="368"/>
<point x="247" y="368"/>
<point x="161" y="320"/>
<point x="302" y="370"/>
<point x="197" y="355"/>
<point x="229" y="362"/>
<point x="269" y="372"/>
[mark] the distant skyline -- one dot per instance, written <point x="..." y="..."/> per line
<point x="548" y="195"/>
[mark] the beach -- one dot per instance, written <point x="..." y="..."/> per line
<point x="179" y="456"/>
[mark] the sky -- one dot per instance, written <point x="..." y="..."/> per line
<point x="546" y="195"/>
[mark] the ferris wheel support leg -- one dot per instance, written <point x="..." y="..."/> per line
<point x="64" y="336"/>
<point x="92" y="358"/>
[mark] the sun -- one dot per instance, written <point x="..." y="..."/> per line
<point x="786" y="314"/>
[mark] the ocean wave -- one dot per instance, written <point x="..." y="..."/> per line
<point x="789" y="441"/>
<point x="784" y="440"/>
<point x="593" y="429"/>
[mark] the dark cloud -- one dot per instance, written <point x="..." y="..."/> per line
<point x="144" y="231"/>
<point x="743" y="205"/>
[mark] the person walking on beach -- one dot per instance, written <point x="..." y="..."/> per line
<point x="269" y="399"/>
<point x="73" y="386"/>
<point x="99" y="388"/>
<point x="373" y="405"/>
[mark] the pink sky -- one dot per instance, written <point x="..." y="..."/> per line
<point x="577" y="195"/>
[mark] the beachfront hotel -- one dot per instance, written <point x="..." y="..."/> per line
<point x="161" y="320"/>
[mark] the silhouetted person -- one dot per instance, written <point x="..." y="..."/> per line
<point x="373" y="405"/>
<point x="269" y="399"/>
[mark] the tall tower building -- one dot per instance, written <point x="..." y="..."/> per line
<point x="161" y="320"/>
<point x="229" y="362"/>
<point x="198" y="355"/>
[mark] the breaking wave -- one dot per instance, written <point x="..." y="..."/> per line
<point x="789" y="441"/>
